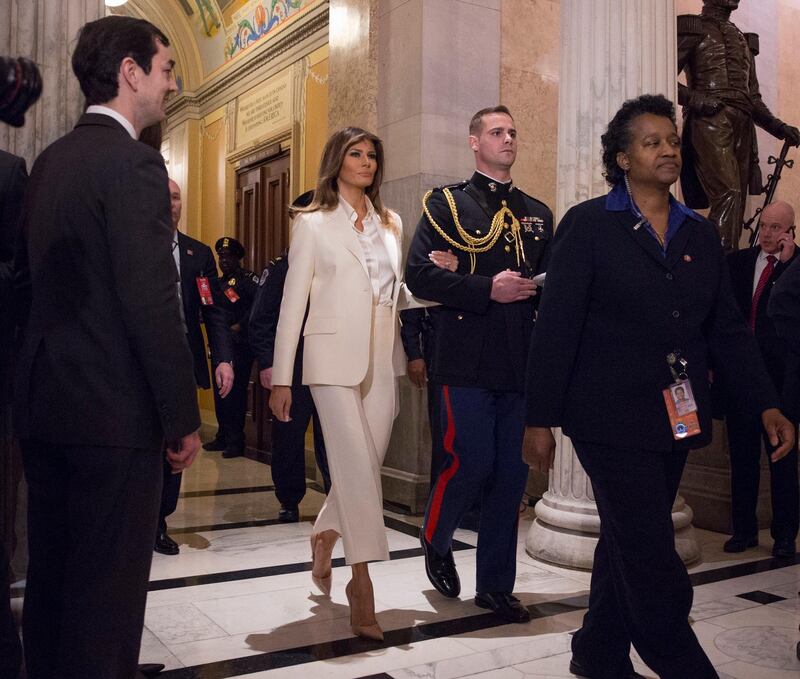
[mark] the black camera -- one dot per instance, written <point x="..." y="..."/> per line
<point x="20" y="87"/>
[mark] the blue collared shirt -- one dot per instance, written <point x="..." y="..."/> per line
<point x="618" y="200"/>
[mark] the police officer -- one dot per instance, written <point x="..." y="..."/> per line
<point x="288" y="438"/>
<point x="483" y="327"/>
<point x="237" y="289"/>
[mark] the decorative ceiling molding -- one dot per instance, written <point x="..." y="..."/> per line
<point x="172" y="20"/>
<point x="304" y="36"/>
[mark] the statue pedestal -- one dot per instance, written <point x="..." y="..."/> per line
<point x="567" y="526"/>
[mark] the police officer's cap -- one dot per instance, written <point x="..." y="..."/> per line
<point x="231" y="245"/>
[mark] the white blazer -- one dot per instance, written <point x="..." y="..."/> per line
<point x="328" y="271"/>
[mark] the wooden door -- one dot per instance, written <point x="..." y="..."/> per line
<point x="262" y="226"/>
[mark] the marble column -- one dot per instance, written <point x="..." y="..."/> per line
<point x="353" y="80"/>
<point x="611" y="50"/>
<point x="428" y="89"/>
<point x="45" y="31"/>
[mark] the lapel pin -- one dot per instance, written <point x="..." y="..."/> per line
<point x="687" y="258"/>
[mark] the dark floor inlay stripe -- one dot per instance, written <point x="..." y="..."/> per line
<point x="741" y="569"/>
<point x="389" y="522"/>
<point x="353" y="645"/>
<point x="761" y="597"/>
<point x="227" y="491"/>
<point x="268" y="571"/>
<point x="230" y="526"/>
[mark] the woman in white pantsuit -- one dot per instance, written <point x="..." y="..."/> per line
<point x="345" y="264"/>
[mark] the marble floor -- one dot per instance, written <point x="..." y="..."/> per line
<point x="238" y="600"/>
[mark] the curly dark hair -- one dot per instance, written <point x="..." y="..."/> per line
<point x="618" y="134"/>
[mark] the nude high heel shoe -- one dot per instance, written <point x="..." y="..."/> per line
<point x="370" y="630"/>
<point x="322" y="582"/>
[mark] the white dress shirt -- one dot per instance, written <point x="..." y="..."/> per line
<point x="376" y="255"/>
<point x="761" y="264"/>
<point x="121" y="119"/>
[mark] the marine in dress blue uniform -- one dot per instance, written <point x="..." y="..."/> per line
<point x="479" y="357"/>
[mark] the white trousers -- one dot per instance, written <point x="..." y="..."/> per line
<point x="356" y="424"/>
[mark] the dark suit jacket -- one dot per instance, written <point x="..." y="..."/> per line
<point x="612" y="308"/>
<point x="104" y="360"/>
<point x="742" y="265"/>
<point x="13" y="179"/>
<point x="784" y="310"/>
<point x="196" y="261"/>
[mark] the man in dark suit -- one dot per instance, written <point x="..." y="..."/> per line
<point x="198" y="275"/>
<point x="288" y="438"/>
<point x="784" y="311"/>
<point x="13" y="179"/>
<point x="754" y="272"/>
<point x="483" y="328"/>
<point x="104" y="374"/>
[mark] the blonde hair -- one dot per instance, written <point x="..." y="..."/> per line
<point x="326" y="194"/>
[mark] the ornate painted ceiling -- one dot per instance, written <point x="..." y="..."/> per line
<point x="209" y="35"/>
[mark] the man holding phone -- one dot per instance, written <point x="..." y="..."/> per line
<point x="753" y="273"/>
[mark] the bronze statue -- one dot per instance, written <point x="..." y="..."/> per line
<point x="721" y="106"/>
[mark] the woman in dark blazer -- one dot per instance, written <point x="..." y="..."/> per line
<point x="635" y="280"/>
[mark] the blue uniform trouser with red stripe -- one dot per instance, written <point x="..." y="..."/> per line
<point x="483" y="432"/>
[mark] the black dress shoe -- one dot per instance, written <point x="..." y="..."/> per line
<point x="441" y="570"/>
<point x="233" y="451"/>
<point x="165" y="544"/>
<point x="580" y="670"/>
<point x="784" y="548"/>
<point x="504" y="605"/>
<point x="151" y="669"/>
<point x="215" y="444"/>
<point x="288" y="514"/>
<point x="739" y="543"/>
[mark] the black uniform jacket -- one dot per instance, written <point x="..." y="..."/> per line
<point x="236" y="294"/>
<point x="784" y="310"/>
<point x="265" y="314"/>
<point x="197" y="261"/>
<point x="104" y="360"/>
<point x="742" y="265"/>
<point x="613" y="308"/>
<point x="479" y="343"/>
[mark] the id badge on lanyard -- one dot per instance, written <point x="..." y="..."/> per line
<point x="204" y="288"/>
<point x="679" y="400"/>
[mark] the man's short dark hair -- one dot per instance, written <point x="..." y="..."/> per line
<point x="617" y="136"/>
<point x="103" y="44"/>
<point x="476" y="124"/>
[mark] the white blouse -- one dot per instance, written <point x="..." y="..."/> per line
<point x="376" y="255"/>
